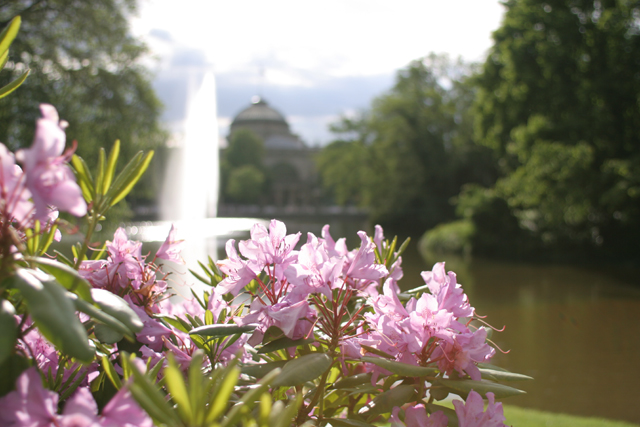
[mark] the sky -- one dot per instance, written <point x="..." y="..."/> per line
<point x="311" y="60"/>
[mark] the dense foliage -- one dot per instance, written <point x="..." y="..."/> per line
<point x="539" y="149"/>
<point x="84" y="61"/>
<point x="558" y="104"/>
<point x="410" y="153"/>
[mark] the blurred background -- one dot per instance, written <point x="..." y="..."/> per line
<point x="502" y="137"/>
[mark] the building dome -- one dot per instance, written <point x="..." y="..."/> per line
<point x="268" y="124"/>
<point x="259" y="110"/>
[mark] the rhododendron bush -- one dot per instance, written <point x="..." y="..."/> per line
<point x="291" y="329"/>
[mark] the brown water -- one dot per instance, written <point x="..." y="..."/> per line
<point x="576" y="331"/>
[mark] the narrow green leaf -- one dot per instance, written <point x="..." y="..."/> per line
<point x="172" y="321"/>
<point x="3" y="58"/>
<point x="100" y="190"/>
<point x="302" y="369"/>
<point x="117" y="307"/>
<point x="378" y="352"/>
<point x="53" y="312"/>
<point x="221" y="400"/>
<point x="463" y="387"/>
<point x="259" y="370"/>
<point x="218" y="331"/>
<point x="7" y="89"/>
<point x="83" y="175"/>
<point x="284" y="342"/>
<point x="385" y="402"/>
<point x="111" y="373"/>
<point x="178" y="390"/>
<point x="197" y="392"/>
<point x="503" y="376"/>
<point x="9" y="330"/>
<point x="347" y="422"/>
<point x="111" y="166"/>
<point x="352" y="381"/>
<point x="399" y="368"/>
<point x="148" y="393"/>
<point x="129" y="176"/>
<point x="47" y="240"/>
<point x="287" y="414"/>
<point x="66" y="276"/>
<point x="9" y="34"/>
<point x="102" y="317"/>
<point x="248" y="400"/>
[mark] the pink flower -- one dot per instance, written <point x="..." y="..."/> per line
<point x="364" y="264"/>
<point x="14" y="196"/>
<point x="472" y="414"/>
<point x="30" y="405"/>
<point x="49" y="179"/>
<point x="171" y="248"/>
<point x="449" y="294"/>
<point x="238" y="272"/>
<point x="416" y="416"/>
<point x="123" y="411"/>
<point x="464" y="352"/>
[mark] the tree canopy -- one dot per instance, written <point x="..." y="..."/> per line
<point x="408" y="155"/>
<point x="85" y="63"/>
<point x="558" y="102"/>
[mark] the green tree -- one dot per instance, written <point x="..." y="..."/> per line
<point x="558" y="103"/>
<point x="83" y="61"/>
<point x="409" y="154"/>
<point x="245" y="184"/>
<point x="245" y="148"/>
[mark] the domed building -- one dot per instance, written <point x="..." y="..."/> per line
<point x="289" y="163"/>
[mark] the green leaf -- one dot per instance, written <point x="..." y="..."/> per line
<point x="399" y="368"/>
<point x="129" y="176"/>
<point x="9" y="330"/>
<point x="9" y="34"/>
<point x="378" y="352"/>
<point x="503" y="375"/>
<point x="347" y="422"/>
<point x="223" y="393"/>
<point x="85" y="181"/>
<point x="3" y="59"/>
<point x="262" y="369"/>
<point x="175" y="322"/>
<point x="117" y="307"/>
<point x="7" y="89"/>
<point x="100" y="190"/>
<point x="102" y="317"/>
<point x="463" y="387"/>
<point x="353" y="381"/>
<point x="111" y="373"/>
<point x="67" y="277"/>
<point x="385" y="402"/>
<point x="218" y="331"/>
<point x="178" y="390"/>
<point x="149" y="396"/>
<point x="111" y="165"/>
<point x="283" y="419"/>
<point x="53" y="312"/>
<point x="248" y="400"/>
<point x="284" y="342"/>
<point x="107" y="335"/>
<point x="302" y="369"/>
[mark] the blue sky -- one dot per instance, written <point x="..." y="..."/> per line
<point x="312" y="60"/>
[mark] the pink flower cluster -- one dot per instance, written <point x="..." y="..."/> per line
<point x="431" y="330"/>
<point x="33" y="405"/>
<point x="284" y="278"/>
<point x="46" y="184"/>
<point x="470" y="414"/>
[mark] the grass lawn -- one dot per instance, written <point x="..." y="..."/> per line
<point x="520" y="417"/>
